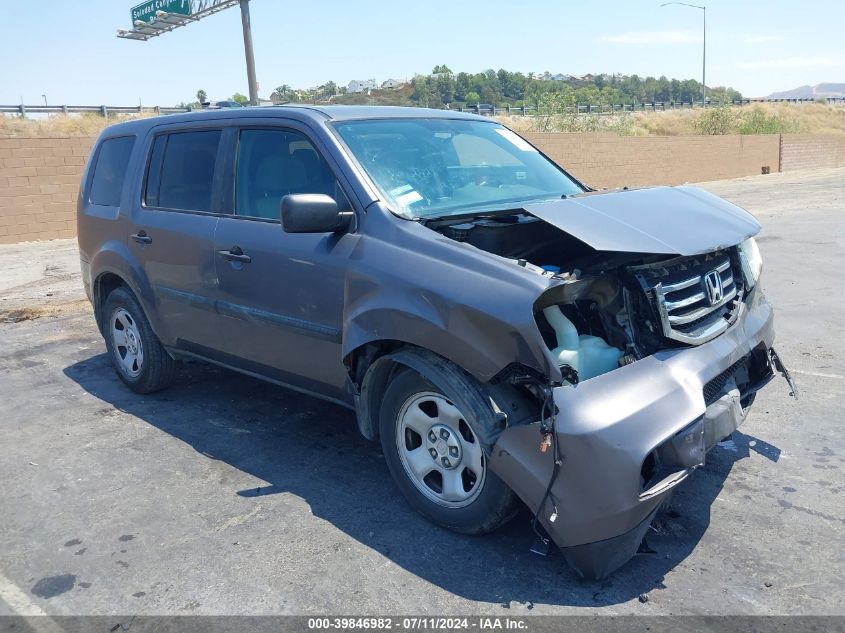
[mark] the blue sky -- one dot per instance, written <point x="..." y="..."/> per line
<point x="68" y="49"/>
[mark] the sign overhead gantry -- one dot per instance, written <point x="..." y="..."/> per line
<point x="157" y="17"/>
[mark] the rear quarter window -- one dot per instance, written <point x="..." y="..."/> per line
<point x="110" y="171"/>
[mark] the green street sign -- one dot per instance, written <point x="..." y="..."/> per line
<point x="146" y="11"/>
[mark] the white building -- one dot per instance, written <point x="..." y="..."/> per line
<point x="391" y="84"/>
<point x="358" y="85"/>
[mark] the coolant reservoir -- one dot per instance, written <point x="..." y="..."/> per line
<point x="589" y="355"/>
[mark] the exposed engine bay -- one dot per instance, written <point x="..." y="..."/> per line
<point x="610" y="309"/>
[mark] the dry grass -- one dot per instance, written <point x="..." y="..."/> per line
<point x="60" y="125"/>
<point x="807" y="119"/>
<point x="791" y="119"/>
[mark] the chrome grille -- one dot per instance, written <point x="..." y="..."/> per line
<point x="696" y="297"/>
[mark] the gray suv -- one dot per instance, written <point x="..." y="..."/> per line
<point x="509" y="335"/>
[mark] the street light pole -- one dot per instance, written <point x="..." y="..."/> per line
<point x="704" y="49"/>
<point x="250" y="56"/>
<point x="704" y="56"/>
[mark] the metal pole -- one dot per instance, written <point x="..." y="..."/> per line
<point x="250" y="56"/>
<point x="704" y="50"/>
<point x="704" y="60"/>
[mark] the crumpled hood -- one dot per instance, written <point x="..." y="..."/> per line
<point x="662" y="220"/>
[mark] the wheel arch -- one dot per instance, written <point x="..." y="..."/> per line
<point x="114" y="266"/>
<point x="472" y="396"/>
<point x="103" y="285"/>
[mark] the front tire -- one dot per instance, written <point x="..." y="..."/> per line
<point x="137" y="355"/>
<point x="436" y="458"/>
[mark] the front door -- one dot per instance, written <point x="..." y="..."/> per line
<point x="281" y="294"/>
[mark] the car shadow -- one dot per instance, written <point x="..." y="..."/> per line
<point x="312" y="449"/>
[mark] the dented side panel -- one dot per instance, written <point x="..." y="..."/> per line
<point x="407" y="283"/>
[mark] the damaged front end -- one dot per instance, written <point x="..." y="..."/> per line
<point x="660" y="357"/>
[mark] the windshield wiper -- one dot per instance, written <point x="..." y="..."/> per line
<point x="451" y="218"/>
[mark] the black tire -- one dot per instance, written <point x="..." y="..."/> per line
<point x="156" y="369"/>
<point x="493" y="505"/>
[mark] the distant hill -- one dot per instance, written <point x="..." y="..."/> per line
<point x="811" y="92"/>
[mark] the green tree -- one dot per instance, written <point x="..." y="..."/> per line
<point x="472" y="98"/>
<point x="445" y="87"/>
<point x="326" y="91"/>
<point x="284" y="94"/>
<point x="441" y="69"/>
<point x="243" y="100"/>
<point x="202" y="97"/>
<point x="424" y="91"/>
<point x="462" y="86"/>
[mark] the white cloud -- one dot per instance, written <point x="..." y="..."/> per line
<point x="652" y="37"/>
<point x="763" y="39"/>
<point x="794" y="63"/>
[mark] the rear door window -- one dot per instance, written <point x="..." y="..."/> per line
<point x="110" y="171"/>
<point x="181" y="172"/>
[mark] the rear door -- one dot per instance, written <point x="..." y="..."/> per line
<point x="172" y="231"/>
<point x="281" y="293"/>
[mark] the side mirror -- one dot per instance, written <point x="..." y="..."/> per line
<point x="313" y="213"/>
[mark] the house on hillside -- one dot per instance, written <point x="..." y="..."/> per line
<point x="391" y="84"/>
<point x="361" y="85"/>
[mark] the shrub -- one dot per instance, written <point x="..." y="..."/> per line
<point x="722" y="119"/>
<point x="758" y="121"/>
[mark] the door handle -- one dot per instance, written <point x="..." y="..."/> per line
<point x="235" y="254"/>
<point x="142" y="238"/>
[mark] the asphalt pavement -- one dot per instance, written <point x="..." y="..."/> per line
<point x="226" y="495"/>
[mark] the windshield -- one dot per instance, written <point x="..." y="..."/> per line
<point x="435" y="167"/>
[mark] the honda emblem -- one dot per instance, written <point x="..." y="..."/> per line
<point x="713" y="287"/>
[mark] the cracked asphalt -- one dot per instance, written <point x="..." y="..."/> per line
<point x="226" y="495"/>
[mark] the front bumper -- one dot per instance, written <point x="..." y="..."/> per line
<point x="628" y="437"/>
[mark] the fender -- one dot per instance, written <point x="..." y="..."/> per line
<point x="114" y="257"/>
<point x="477" y="342"/>
<point x="408" y="283"/>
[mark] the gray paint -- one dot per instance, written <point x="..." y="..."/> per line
<point x="666" y="220"/>
<point x="609" y="424"/>
<point x="394" y="280"/>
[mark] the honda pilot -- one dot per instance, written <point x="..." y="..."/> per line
<point x="509" y="335"/>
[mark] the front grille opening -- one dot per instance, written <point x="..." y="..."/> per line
<point x="696" y="298"/>
<point x="714" y="387"/>
<point x="749" y="373"/>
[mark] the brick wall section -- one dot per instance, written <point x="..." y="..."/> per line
<point x="808" y="151"/>
<point x="39" y="183"/>
<point x="39" y="177"/>
<point x="601" y="160"/>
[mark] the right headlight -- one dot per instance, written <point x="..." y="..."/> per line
<point x="752" y="261"/>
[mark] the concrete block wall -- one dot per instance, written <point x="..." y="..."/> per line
<point x="605" y="160"/>
<point x="39" y="183"/>
<point x="809" y="151"/>
<point x="39" y="177"/>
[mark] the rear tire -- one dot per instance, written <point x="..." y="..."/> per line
<point x="137" y="355"/>
<point x="434" y="454"/>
